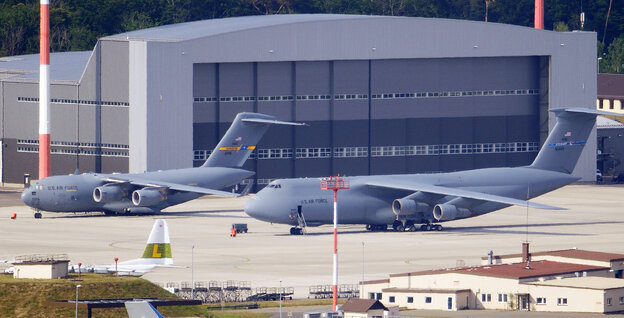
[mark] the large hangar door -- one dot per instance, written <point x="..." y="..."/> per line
<point x="453" y="114"/>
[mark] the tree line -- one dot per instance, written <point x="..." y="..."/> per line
<point x="77" y="24"/>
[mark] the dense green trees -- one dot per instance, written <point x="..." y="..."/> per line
<point x="76" y="24"/>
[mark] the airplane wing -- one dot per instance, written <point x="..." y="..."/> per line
<point x="171" y="185"/>
<point x="457" y="192"/>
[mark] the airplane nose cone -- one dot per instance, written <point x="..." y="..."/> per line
<point x="26" y="196"/>
<point x="252" y="207"/>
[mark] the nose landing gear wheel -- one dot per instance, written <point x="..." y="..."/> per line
<point x="37" y="215"/>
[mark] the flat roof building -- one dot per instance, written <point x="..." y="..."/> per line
<point x="382" y="95"/>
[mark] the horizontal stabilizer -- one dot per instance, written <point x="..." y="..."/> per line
<point x="273" y="122"/>
<point x="457" y="192"/>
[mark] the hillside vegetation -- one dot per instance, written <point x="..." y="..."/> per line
<point x="31" y="297"/>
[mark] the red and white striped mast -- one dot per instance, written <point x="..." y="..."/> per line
<point x="335" y="184"/>
<point x="539" y="14"/>
<point x="44" y="90"/>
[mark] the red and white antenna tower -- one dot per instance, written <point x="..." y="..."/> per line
<point x="539" y="14"/>
<point x="44" y="90"/>
<point x="335" y="183"/>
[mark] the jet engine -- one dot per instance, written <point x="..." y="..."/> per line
<point x="447" y="212"/>
<point x="148" y="197"/>
<point x="107" y="193"/>
<point x="407" y="207"/>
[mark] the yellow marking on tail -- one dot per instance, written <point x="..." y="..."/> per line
<point x="155" y="253"/>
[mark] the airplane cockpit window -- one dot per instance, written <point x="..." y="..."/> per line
<point x="276" y="186"/>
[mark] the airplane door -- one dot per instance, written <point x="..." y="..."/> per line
<point x="449" y="304"/>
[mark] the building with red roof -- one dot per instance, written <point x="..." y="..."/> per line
<point x="566" y="281"/>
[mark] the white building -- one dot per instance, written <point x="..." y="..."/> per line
<point x="41" y="270"/>
<point x="568" y="281"/>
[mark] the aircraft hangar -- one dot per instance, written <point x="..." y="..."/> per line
<point x="381" y="95"/>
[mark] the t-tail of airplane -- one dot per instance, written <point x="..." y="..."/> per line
<point x="241" y="139"/>
<point x="158" y="248"/>
<point x="566" y="141"/>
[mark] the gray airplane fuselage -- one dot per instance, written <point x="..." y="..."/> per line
<point x="74" y="193"/>
<point x="365" y="204"/>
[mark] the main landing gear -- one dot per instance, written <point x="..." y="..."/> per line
<point x="399" y="226"/>
<point x="296" y="231"/>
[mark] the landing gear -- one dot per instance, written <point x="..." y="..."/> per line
<point x="296" y="231"/>
<point x="399" y="226"/>
<point x="37" y="215"/>
<point x="431" y="227"/>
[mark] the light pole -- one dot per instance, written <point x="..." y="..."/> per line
<point x="362" y="264"/>
<point x="335" y="184"/>
<point x="280" y="295"/>
<point x="599" y="58"/>
<point x="77" y="286"/>
<point x="193" y="271"/>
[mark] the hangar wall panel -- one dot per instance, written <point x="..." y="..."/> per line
<point x="114" y="70"/>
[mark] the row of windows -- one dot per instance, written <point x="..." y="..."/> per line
<point x="385" y="151"/>
<point x="73" y="101"/>
<point x="621" y="301"/>
<point x="610" y="104"/>
<point x="486" y="298"/>
<point x="76" y="152"/>
<point x="393" y="151"/>
<point x="457" y="94"/>
<point x="73" y="144"/>
<point x="373" y="96"/>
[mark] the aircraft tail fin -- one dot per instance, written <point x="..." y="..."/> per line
<point x="566" y="141"/>
<point x="241" y="139"/>
<point x="141" y="309"/>
<point x="158" y="248"/>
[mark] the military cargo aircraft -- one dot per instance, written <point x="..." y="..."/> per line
<point x="157" y="253"/>
<point x="150" y="192"/>
<point x="420" y="201"/>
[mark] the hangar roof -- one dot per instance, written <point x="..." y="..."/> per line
<point x="206" y="28"/>
<point x="64" y="66"/>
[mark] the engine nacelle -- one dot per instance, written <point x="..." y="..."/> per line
<point x="147" y="197"/>
<point x="407" y="207"/>
<point x="447" y="212"/>
<point x="107" y="193"/>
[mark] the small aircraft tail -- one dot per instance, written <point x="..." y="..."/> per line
<point x="158" y="248"/>
<point x="141" y="309"/>
<point x="566" y="141"/>
<point x="241" y="139"/>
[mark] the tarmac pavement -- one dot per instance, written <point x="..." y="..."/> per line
<point x="266" y="255"/>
